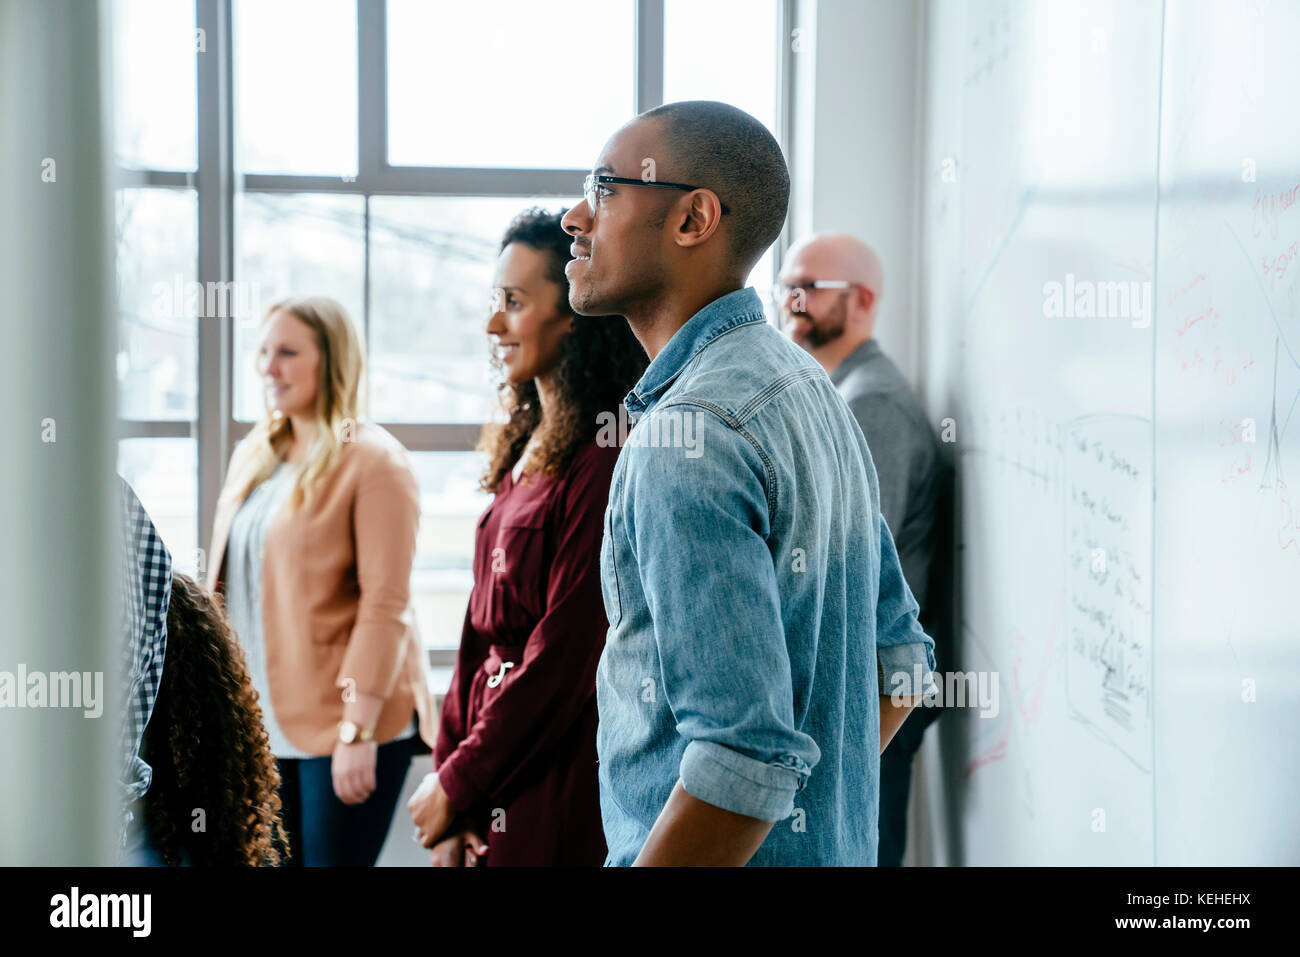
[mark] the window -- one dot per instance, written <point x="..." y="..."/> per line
<point x="474" y="112"/>
<point x="296" y="82"/>
<point x="543" y="86"/>
<point x="154" y="109"/>
<point x="164" y="473"/>
<point x="431" y="260"/>
<point x="734" y="70"/>
<point x="157" y="264"/>
<point x="155" y="44"/>
<point x="450" y="505"/>
<point x="293" y="244"/>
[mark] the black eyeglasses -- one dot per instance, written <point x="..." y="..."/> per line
<point x="591" y="185"/>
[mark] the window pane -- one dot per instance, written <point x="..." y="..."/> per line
<point x="740" y="65"/>
<point x="154" y="84"/>
<point x="431" y="262"/>
<point x="296" y="86"/>
<point x="299" y="244"/>
<point x="157" y="257"/>
<point x="489" y="84"/>
<point x="761" y="278"/>
<point x="443" y="576"/>
<point x="164" y="474"/>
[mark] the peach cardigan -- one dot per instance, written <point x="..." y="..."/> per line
<point x="336" y="596"/>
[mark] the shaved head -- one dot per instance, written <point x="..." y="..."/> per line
<point x="839" y="256"/>
<point x="830" y="322"/>
<point x="716" y="145"/>
<point x="657" y="256"/>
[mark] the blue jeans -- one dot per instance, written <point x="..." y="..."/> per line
<point x="325" y="832"/>
<point x="896" y="782"/>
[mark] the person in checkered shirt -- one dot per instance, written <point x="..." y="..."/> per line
<point x="145" y="586"/>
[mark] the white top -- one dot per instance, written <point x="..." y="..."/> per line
<point x="244" y="590"/>
<point x="523" y="457"/>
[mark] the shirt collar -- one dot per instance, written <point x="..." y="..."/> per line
<point x="736" y="308"/>
<point x="854" y="359"/>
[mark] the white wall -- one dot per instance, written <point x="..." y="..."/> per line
<point x="856" y="145"/>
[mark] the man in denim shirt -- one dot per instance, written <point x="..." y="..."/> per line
<point x="830" y="293"/>
<point x="756" y="606"/>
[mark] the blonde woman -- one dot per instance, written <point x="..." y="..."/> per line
<point x="312" y="549"/>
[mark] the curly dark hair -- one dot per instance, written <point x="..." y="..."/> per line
<point x="599" y="363"/>
<point x="207" y="745"/>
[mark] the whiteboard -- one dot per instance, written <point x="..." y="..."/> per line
<point x="1112" y="321"/>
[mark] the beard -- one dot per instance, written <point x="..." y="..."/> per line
<point x="828" y="329"/>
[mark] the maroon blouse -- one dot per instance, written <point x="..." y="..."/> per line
<point x="516" y="749"/>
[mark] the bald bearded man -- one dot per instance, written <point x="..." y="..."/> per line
<point x="829" y="293"/>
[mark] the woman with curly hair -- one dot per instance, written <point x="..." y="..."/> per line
<point x="515" y="780"/>
<point x="213" y="799"/>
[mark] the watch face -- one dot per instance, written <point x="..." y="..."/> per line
<point x="347" y="732"/>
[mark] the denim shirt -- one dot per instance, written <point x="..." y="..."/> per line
<point x="755" y="601"/>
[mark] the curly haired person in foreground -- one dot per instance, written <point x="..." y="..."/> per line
<point x="213" y="800"/>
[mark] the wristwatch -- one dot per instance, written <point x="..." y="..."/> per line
<point x="350" y="733"/>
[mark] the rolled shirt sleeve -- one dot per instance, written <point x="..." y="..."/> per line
<point x="903" y="649"/>
<point x="699" y="528"/>
<point x="717" y="775"/>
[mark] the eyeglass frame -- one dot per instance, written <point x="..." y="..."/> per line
<point x="810" y="285"/>
<point x="595" y="179"/>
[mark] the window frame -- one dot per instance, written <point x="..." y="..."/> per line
<point x="215" y="428"/>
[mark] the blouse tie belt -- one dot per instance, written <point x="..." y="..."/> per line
<point x="500" y="659"/>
